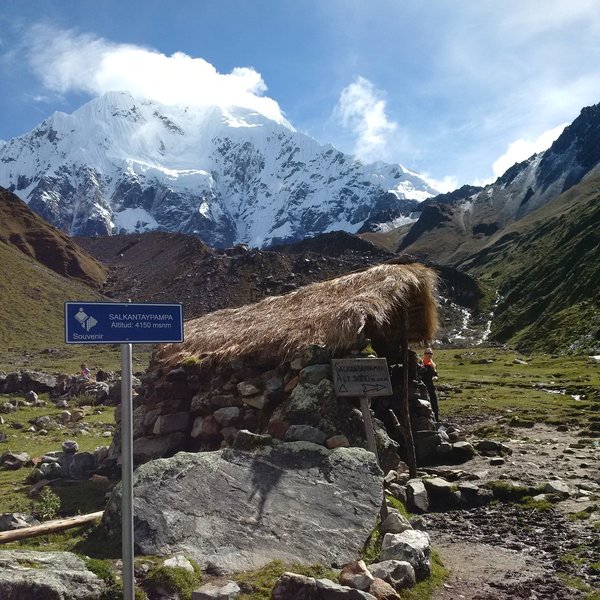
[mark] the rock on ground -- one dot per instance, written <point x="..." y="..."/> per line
<point x="296" y="502"/>
<point x="28" y="575"/>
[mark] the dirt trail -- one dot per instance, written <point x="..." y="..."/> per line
<point x="505" y="551"/>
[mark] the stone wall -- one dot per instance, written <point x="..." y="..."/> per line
<point x="194" y="408"/>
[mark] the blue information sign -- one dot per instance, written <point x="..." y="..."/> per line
<point x="122" y="323"/>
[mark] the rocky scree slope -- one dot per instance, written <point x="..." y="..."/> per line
<point x="228" y="175"/>
<point x="169" y="267"/>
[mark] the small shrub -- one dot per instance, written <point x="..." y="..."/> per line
<point x="115" y="592"/>
<point x="175" y="580"/>
<point x="520" y="422"/>
<point x="47" y="507"/>
<point x="84" y="400"/>
<point x="509" y="492"/>
<point x="486" y="431"/>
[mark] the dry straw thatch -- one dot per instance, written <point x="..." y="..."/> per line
<point x="331" y="313"/>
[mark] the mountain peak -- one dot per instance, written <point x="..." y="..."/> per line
<point x="225" y="173"/>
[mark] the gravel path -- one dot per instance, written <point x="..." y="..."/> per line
<point x="504" y="551"/>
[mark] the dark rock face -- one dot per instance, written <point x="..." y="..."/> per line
<point x="575" y="152"/>
<point x="296" y="501"/>
<point x="461" y="193"/>
<point x="432" y="217"/>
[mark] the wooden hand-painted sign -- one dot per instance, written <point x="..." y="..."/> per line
<point x="361" y="377"/>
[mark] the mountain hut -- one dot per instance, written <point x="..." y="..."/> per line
<point x="265" y="367"/>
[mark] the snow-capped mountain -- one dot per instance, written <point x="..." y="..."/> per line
<point x="227" y="174"/>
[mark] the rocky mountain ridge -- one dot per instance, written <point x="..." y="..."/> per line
<point x="530" y="239"/>
<point x="454" y="226"/>
<point x="228" y="175"/>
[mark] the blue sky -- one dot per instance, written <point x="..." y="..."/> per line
<point x="456" y="90"/>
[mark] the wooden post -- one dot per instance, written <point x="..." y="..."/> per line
<point x="365" y="407"/>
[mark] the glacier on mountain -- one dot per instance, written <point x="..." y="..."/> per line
<point x="227" y="174"/>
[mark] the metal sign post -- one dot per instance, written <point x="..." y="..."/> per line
<point x="124" y="324"/>
<point x="127" y="536"/>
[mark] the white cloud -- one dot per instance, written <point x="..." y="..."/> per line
<point x="444" y="185"/>
<point x="66" y="61"/>
<point x="362" y="109"/>
<point x="521" y="149"/>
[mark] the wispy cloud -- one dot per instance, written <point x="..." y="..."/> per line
<point x="521" y="149"/>
<point x="67" y="61"/>
<point x="362" y="109"/>
<point x="444" y="185"/>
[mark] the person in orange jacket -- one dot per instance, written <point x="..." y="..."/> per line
<point x="428" y="373"/>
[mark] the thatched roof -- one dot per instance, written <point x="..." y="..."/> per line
<point x="331" y="313"/>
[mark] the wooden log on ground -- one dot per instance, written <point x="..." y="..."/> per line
<point x="48" y="527"/>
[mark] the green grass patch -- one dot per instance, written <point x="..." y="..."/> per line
<point x="523" y="393"/>
<point x="102" y="568"/>
<point x="371" y="551"/>
<point x="260" y="583"/>
<point x="398" y="505"/>
<point x="491" y="431"/>
<point x="583" y="515"/>
<point x="67" y="541"/>
<point x="578" y="584"/>
<point x="175" y="581"/>
<point x="530" y="503"/>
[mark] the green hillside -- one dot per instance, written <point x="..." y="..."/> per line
<point x="31" y="317"/>
<point x="546" y="268"/>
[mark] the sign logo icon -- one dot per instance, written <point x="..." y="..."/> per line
<point x="85" y="320"/>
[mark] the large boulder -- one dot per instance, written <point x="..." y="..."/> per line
<point x="318" y="406"/>
<point x="27" y="574"/>
<point x="300" y="587"/>
<point x="410" y="546"/>
<point x="33" y="381"/>
<point x="297" y="502"/>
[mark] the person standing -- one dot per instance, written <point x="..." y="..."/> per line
<point x="85" y="372"/>
<point x="428" y="374"/>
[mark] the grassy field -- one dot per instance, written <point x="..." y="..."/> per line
<point x="32" y="320"/>
<point x="481" y="382"/>
<point x="14" y="489"/>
